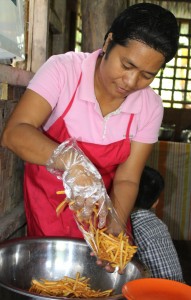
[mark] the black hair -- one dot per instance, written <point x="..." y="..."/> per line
<point x="148" y="23"/>
<point x="150" y="187"/>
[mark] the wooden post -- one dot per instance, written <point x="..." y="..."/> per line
<point x="38" y="33"/>
<point x="97" y="17"/>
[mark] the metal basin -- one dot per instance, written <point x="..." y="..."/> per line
<point x="53" y="258"/>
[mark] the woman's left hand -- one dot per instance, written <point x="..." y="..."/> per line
<point x="106" y="265"/>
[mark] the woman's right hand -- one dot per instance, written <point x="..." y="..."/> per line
<point x="83" y="184"/>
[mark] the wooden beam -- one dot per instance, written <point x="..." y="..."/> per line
<point x="55" y="23"/>
<point x="97" y="17"/>
<point x="38" y="33"/>
<point x="14" y="76"/>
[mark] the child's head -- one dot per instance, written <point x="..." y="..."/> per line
<point x="151" y="186"/>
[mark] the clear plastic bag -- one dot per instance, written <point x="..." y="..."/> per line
<point x="94" y="213"/>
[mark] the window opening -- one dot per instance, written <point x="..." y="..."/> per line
<point x="173" y="84"/>
<point x="78" y="38"/>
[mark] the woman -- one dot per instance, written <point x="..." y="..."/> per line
<point x="103" y="100"/>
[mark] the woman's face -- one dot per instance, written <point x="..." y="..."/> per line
<point x="128" y="68"/>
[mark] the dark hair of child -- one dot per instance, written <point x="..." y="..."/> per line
<point x="151" y="186"/>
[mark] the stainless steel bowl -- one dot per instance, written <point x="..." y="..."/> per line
<point x="53" y="258"/>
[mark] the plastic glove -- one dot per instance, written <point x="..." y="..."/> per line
<point x="84" y="187"/>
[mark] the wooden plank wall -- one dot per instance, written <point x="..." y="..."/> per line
<point x="45" y="36"/>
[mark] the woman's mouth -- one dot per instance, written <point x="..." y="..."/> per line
<point x="123" y="91"/>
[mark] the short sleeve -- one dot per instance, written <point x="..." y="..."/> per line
<point x="149" y="118"/>
<point x="48" y="80"/>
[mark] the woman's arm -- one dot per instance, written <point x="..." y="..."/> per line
<point x="22" y="135"/>
<point x="127" y="178"/>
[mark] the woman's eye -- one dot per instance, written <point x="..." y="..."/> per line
<point x="126" y="67"/>
<point x="146" y="76"/>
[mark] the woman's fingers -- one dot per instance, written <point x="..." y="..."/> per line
<point x="103" y="211"/>
<point x="109" y="268"/>
<point x="101" y="263"/>
<point x="92" y="253"/>
<point x="106" y="265"/>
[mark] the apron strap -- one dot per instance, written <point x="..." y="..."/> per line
<point x="72" y="100"/>
<point x="129" y="124"/>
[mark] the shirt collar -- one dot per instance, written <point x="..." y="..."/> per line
<point x="132" y="103"/>
<point x="87" y="82"/>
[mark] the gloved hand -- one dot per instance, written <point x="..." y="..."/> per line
<point x="84" y="187"/>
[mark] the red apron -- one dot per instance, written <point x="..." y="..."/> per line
<point x="40" y="186"/>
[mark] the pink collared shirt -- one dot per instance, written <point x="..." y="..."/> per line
<point x="56" y="82"/>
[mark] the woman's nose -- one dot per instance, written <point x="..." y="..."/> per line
<point x="131" y="79"/>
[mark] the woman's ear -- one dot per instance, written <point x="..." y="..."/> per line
<point x="108" y="40"/>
